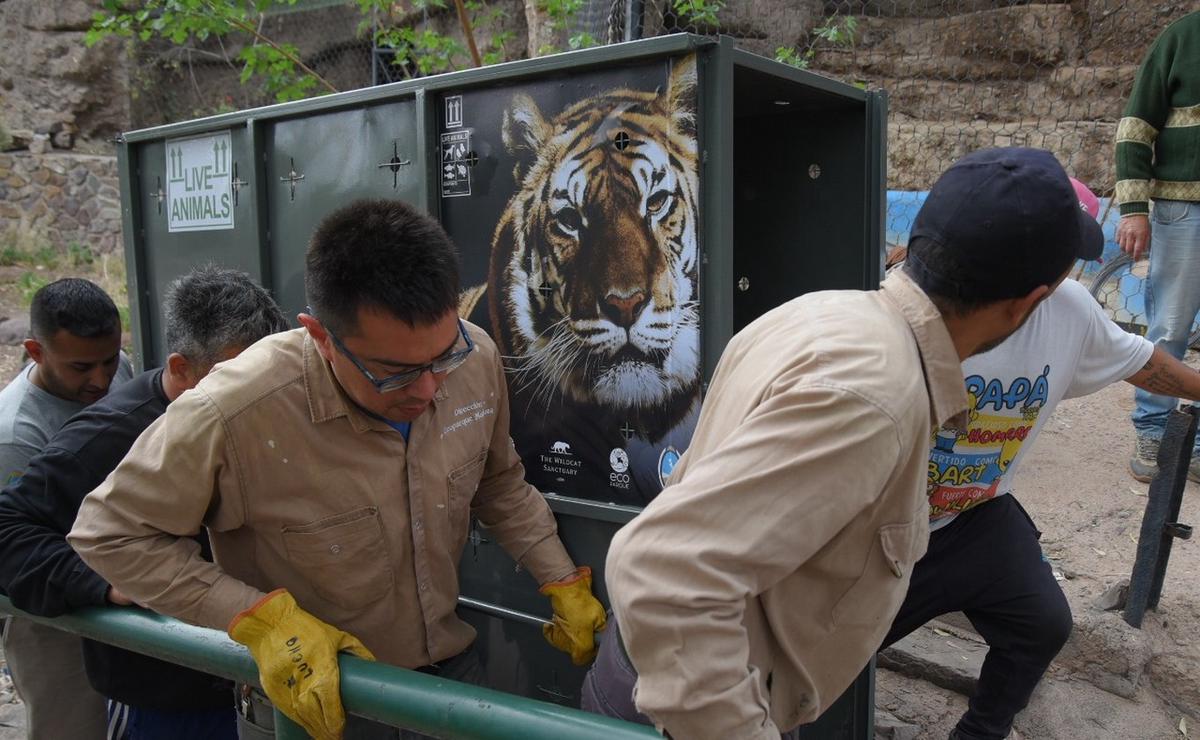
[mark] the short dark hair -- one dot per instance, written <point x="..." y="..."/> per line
<point x="78" y="306"/>
<point x="953" y="295"/>
<point x="212" y="309"/>
<point x="380" y="254"/>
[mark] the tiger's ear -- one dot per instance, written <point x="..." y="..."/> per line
<point x="681" y="94"/>
<point x="524" y="131"/>
<point x="469" y="298"/>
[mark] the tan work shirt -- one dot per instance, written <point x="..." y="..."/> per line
<point x="758" y="584"/>
<point x="300" y="489"/>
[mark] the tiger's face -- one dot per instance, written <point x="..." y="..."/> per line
<point x="593" y="275"/>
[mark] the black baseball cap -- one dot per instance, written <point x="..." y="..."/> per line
<point x="1012" y="221"/>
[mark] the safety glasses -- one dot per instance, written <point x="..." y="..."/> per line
<point x="448" y="362"/>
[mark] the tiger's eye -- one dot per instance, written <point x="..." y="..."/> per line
<point x="657" y="201"/>
<point x="569" y="219"/>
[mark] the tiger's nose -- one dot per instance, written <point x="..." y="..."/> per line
<point x="622" y="310"/>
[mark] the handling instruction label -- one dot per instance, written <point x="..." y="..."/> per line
<point x="199" y="197"/>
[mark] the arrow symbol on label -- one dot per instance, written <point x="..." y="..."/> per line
<point x="219" y="159"/>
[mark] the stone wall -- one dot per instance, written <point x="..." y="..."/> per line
<point x="59" y="198"/>
<point x="50" y="79"/>
<point x="1054" y="75"/>
<point x="961" y="74"/>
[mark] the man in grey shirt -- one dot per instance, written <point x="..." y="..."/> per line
<point x="76" y="352"/>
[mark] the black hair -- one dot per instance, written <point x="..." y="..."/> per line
<point x="214" y="309"/>
<point x="384" y="255"/>
<point x="77" y="306"/>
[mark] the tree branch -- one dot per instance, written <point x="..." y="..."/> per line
<point x="466" y="26"/>
<point x="288" y="55"/>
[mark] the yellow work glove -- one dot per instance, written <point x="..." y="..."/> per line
<point x="296" y="655"/>
<point x="577" y="616"/>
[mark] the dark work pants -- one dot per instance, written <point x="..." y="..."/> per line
<point x="987" y="564"/>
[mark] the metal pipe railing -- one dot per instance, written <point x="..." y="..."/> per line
<point x="384" y="693"/>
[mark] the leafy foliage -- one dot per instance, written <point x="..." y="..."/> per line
<point x="835" y="31"/>
<point x="191" y="22"/>
<point x="699" y="12"/>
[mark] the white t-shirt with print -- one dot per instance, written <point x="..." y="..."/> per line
<point x="1068" y="348"/>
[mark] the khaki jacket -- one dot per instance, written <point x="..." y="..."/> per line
<point x="302" y="490"/>
<point x="758" y="584"/>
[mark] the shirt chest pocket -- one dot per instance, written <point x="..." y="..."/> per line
<point x="344" y="558"/>
<point x="461" y="484"/>
<point x="877" y="593"/>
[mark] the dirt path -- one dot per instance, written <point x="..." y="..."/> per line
<point x="1076" y="485"/>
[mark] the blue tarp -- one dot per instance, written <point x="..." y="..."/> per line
<point x="902" y="207"/>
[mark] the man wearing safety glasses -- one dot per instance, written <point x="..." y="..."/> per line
<point x="337" y="467"/>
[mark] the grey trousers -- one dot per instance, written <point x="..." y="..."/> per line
<point x="256" y="718"/>
<point x="608" y="685"/>
<point x="47" y="671"/>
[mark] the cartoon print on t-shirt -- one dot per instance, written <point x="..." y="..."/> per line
<point x="965" y="467"/>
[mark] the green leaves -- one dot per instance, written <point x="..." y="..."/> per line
<point x="835" y="31"/>
<point x="279" y="68"/>
<point x="275" y="67"/>
<point x="189" y="23"/>
<point x="699" y="12"/>
<point x="426" y="50"/>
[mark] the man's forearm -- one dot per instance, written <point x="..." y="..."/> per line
<point x="1166" y="376"/>
<point x="55" y="582"/>
<point x="521" y="521"/>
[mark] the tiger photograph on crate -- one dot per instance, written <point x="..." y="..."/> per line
<point x="590" y="285"/>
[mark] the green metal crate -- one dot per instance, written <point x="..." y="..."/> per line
<point x="784" y="176"/>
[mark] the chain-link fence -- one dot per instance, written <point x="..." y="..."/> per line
<point x="960" y="74"/>
<point x="175" y="82"/>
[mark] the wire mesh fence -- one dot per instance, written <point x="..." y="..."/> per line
<point x="960" y="74"/>
<point x="963" y="75"/>
<point x="178" y="81"/>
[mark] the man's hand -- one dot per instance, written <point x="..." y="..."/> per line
<point x="1133" y="235"/>
<point x="296" y="655"/>
<point x="578" y="616"/>
<point x="118" y="598"/>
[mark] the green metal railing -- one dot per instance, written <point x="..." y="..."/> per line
<point x="384" y="693"/>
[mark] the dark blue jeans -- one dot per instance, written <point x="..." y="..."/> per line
<point x="126" y="722"/>
<point x="1172" y="293"/>
<point x="987" y="563"/>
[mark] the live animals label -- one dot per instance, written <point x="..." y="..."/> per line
<point x="198" y="184"/>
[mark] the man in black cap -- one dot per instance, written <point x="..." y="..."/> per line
<point x="757" y="585"/>
<point x="984" y="558"/>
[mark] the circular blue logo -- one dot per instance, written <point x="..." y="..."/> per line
<point x="666" y="464"/>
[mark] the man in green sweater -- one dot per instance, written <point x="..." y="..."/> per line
<point x="1158" y="158"/>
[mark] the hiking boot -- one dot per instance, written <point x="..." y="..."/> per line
<point x="1144" y="465"/>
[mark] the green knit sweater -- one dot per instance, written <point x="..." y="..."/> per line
<point x="1158" y="139"/>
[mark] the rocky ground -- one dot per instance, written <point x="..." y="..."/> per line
<point x="1111" y="681"/>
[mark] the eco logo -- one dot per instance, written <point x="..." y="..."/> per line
<point x="618" y="459"/>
